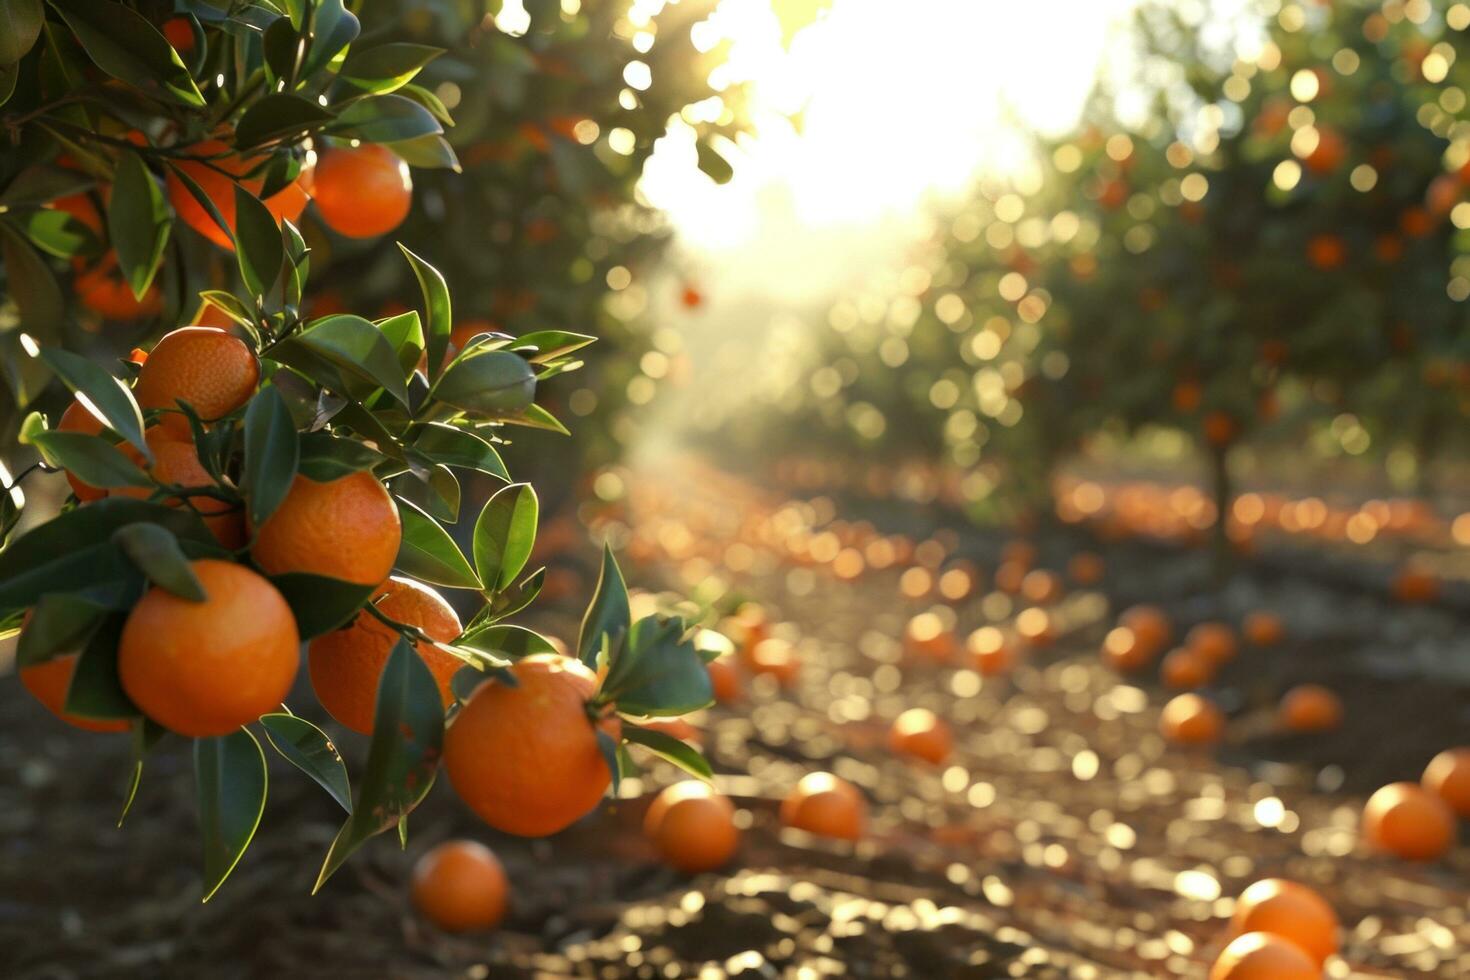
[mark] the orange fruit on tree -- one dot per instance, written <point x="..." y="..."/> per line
<point x="101" y="288"/>
<point x="1310" y="708"/>
<point x="1263" y="629"/>
<point x="1220" y="428"/>
<point x="49" y="682"/>
<point x="346" y="665"/>
<point x="347" y="528"/>
<point x="1213" y="641"/>
<point x="77" y="418"/>
<point x="823" y="804"/>
<point x="1009" y="577"/>
<point x="774" y="656"/>
<point x="919" y="733"/>
<point x="1124" y="652"/>
<point x="206" y="668"/>
<point x="176" y="462"/>
<point x="526" y="758"/>
<point x="363" y="191"/>
<point x="992" y="655"/>
<point x="1191" y="720"/>
<point x="207" y="368"/>
<point x="724" y="679"/>
<point x="1151" y="627"/>
<point x="1262" y="956"/>
<point x="1186" y="669"/>
<point x="459" y="886"/>
<point x="216" y="169"/>
<point x="693" y="827"/>
<point x="1409" y="821"/>
<point x="1328" y="154"/>
<point x="1289" y="910"/>
<point x="1448" y="777"/>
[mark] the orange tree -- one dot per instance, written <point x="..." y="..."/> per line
<point x="239" y="489"/>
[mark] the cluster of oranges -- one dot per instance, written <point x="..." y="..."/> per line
<point x="1281" y="930"/>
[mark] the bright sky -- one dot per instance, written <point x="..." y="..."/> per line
<point x="901" y="100"/>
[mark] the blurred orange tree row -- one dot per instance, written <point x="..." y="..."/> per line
<point x="1255" y="235"/>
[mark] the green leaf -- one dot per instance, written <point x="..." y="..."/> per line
<point x="385" y="119"/>
<point x="671" y="749"/>
<point x="202" y="199"/>
<point x="124" y="44"/>
<point x="504" y="535"/>
<point x="32" y="285"/>
<point x="403" y="758"/>
<point x="231" y="306"/>
<point x="40" y="184"/>
<point x="715" y="166"/>
<point x="333" y="28"/>
<point x="100" y="393"/>
<point x="258" y="246"/>
<point x="387" y="67"/>
<point x="96" y="691"/>
<point x="487" y="382"/>
<point x="612" y="756"/>
<point x="91" y="458"/>
<point x="309" y="749"/>
<point x="298" y="262"/>
<point x="145" y="734"/>
<point x="20" y="25"/>
<point x="607" y="613"/>
<point x="279" y="116"/>
<point x="434" y="488"/>
<point x="454" y="446"/>
<point x="440" y="319"/>
<point x="431" y="152"/>
<point x="510" y="601"/>
<point x="506" y="642"/>
<point x="157" y="554"/>
<point x="325" y="457"/>
<point x="406" y="335"/>
<point x="546" y="345"/>
<point x="137" y="222"/>
<point x="357" y="347"/>
<point x="271" y="453"/>
<point x="320" y="604"/>
<point x="230" y="772"/>
<point x="429" y="554"/>
<point x="657" y="672"/>
<point x="59" y="623"/>
<point x="59" y="233"/>
<point x="536" y="417"/>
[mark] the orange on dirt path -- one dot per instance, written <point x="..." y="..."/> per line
<point x="1151" y="628"/>
<point x="209" y="369"/>
<point x="1191" y="720"/>
<point x="693" y="827"/>
<point x="347" y="529"/>
<point x="206" y="668"/>
<point x="217" y="179"/>
<point x="526" y="758"/>
<point x="1123" y="651"/>
<point x="1448" y="777"/>
<point x="1415" y="586"/>
<point x="363" y="191"/>
<point x="1407" y="820"/>
<point x="1291" y="911"/>
<point x="50" y="680"/>
<point x="1262" y="956"/>
<point x="920" y="733"/>
<point x="1086" y="568"/>
<point x="460" y="886"/>
<point x="1213" y="641"/>
<point x="992" y="655"/>
<point x="1263" y="629"/>
<point x="176" y="462"/>
<point x="1185" y="669"/>
<point x="825" y="805"/>
<point x="926" y="636"/>
<point x="347" y="664"/>
<point x="1310" y="708"/>
<point x="77" y="418"/>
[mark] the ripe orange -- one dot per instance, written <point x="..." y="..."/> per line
<point x="102" y="289"/>
<point x="724" y="678"/>
<point x="775" y="656"/>
<point x="1122" y="650"/>
<point x="1009" y="577"/>
<point x="49" y="682"/>
<point x="992" y="655"/>
<point x="219" y="187"/>
<point x="1151" y="627"/>
<point x="1186" y="669"/>
<point x="1415" y="585"/>
<point x="1329" y="153"/>
<point x="362" y="192"/>
<point x="78" y="419"/>
<point x="918" y="732"/>
<point x="1191" y="720"/>
<point x="1263" y="629"/>
<point x="206" y="668"/>
<point x="346" y="528"/>
<point x="1086" y="568"/>
<point x="176" y="462"/>
<point x="526" y="758"/>
<point x="346" y="665"/>
<point x="926" y="636"/>
<point x="460" y="886"/>
<point x="1448" y="777"/>
<point x="1041" y="586"/>
<point x="1291" y="911"/>
<point x="1310" y="708"/>
<point x="205" y="367"/>
<point x="1213" y="641"/>
<point x="1407" y="820"/>
<point x="1262" y="956"/>
<point x="692" y="826"/>
<point x="823" y="804"/>
<point x="1220" y="429"/>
